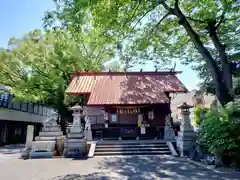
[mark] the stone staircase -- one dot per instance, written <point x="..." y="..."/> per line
<point x="131" y="148"/>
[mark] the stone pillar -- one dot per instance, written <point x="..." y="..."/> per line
<point x="187" y="134"/>
<point x="88" y="130"/>
<point x="29" y="141"/>
<point x="168" y="130"/>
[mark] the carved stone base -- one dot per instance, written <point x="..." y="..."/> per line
<point x="36" y="155"/>
<point x="184" y="140"/>
<point x="75" y="148"/>
<point x="47" y="146"/>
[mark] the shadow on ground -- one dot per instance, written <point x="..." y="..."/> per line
<point x="149" y="168"/>
<point x="93" y="176"/>
<point x="11" y="149"/>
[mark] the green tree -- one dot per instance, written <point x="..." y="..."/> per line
<point x="201" y="33"/>
<point x="38" y="67"/>
<point x="219" y="133"/>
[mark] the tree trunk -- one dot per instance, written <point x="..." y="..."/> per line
<point x="65" y="116"/>
<point x="222" y="92"/>
<point x="221" y="49"/>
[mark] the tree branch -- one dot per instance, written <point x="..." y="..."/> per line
<point x="140" y="20"/>
<point x="134" y="13"/>
<point x="159" y="22"/>
<point x="176" y="3"/>
<point x="168" y="8"/>
<point x="196" y="20"/>
<point x="221" y="19"/>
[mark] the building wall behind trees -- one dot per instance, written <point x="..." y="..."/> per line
<point x="15" y="116"/>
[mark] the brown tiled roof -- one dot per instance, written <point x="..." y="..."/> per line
<point x="82" y="84"/>
<point x="126" y="88"/>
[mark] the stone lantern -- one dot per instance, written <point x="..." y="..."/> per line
<point x="77" y="113"/>
<point x="186" y="122"/>
<point x="187" y="134"/>
<point x="185" y="107"/>
<point x="75" y="144"/>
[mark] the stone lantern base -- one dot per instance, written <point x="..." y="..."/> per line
<point x="75" y="143"/>
<point x="184" y="141"/>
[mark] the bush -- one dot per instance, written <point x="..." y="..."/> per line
<point x="219" y="133"/>
<point x="197" y="114"/>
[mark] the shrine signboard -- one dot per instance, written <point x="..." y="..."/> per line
<point x="128" y="110"/>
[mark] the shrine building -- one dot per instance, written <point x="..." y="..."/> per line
<point x="126" y="105"/>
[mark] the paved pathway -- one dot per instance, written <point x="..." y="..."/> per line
<point x="106" y="168"/>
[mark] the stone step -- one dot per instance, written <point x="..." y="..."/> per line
<point x="132" y="153"/>
<point x="123" y="142"/>
<point x="131" y="149"/>
<point x="130" y="145"/>
<point x="51" y="138"/>
<point x="75" y="140"/>
<point x="50" y="134"/>
<point x="51" y="129"/>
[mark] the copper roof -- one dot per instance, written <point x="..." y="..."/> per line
<point x="126" y="88"/>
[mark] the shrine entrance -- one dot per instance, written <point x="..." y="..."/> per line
<point x="129" y="123"/>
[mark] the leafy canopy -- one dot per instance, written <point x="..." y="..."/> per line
<point x="147" y="30"/>
<point x="38" y="67"/>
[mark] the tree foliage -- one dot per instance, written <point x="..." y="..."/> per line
<point x="202" y="33"/>
<point x="38" y="67"/>
<point x="219" y="132"/>
<point x="199" y="113"/>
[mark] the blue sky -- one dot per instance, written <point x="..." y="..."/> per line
<point x="20" y="17"/>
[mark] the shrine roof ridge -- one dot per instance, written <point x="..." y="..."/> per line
<point x="114" y="73"/>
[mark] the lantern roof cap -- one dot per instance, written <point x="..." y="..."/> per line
<point x="185" y="106"/>
<point x="76" y="107"/>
